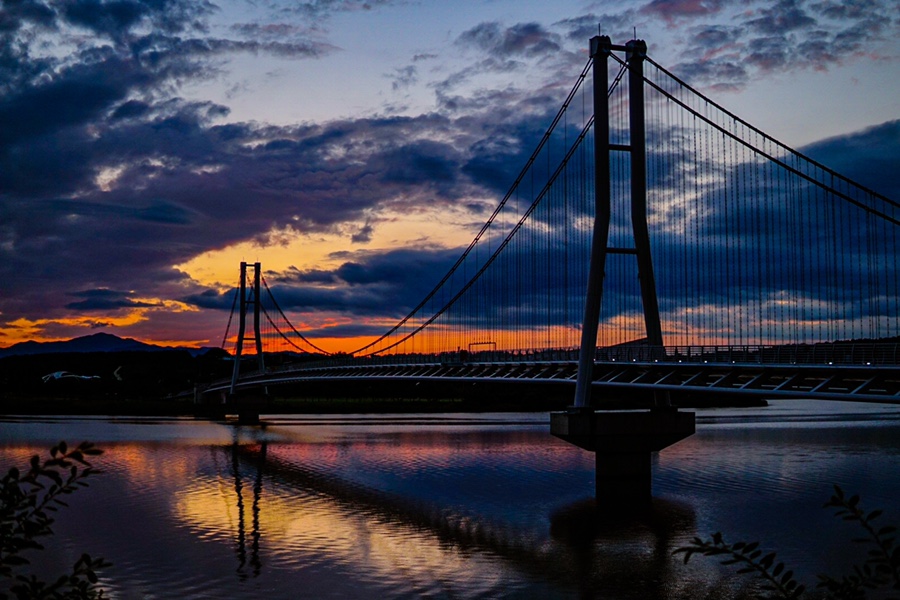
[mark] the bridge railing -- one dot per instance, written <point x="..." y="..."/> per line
<point x="821" y="354"/>
<point x="836" y="353"/>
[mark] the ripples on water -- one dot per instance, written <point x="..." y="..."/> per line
<point x="451" y="506"/>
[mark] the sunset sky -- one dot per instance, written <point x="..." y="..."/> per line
<point x="147" y="147"/>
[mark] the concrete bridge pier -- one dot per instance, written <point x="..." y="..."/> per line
<point x="248" y="417"/>
<point x="248" y="407"/>
<point x="623" y="442"/>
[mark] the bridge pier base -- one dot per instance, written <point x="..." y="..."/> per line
<point x="623" y="442"/>
<point x="248" y="407"/>
<point x="248" y="417"/>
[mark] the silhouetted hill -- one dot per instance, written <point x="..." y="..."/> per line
<point x="108" y="375"/>
<point x="103" y="368"/>
<point x="98" y="342"/>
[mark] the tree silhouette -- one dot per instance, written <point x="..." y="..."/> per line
<point x="879" y="572"/>
<point x="28" y="502"/>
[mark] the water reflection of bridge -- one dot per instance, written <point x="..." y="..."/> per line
<point x="585" y="548"/>
<point x="259" y="462"/>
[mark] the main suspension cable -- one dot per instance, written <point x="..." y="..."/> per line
<point x="490" y="221"/>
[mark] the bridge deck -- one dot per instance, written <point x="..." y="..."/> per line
<point x="859" y="382"/>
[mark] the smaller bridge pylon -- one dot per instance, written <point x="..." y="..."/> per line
<point x="250" y="300"/>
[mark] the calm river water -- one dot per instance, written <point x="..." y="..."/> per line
<point x="453" y="506"/>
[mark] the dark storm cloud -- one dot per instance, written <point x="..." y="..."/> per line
<point x="726" y="43"/>
<point x="847" y="9"/>
<point x="429" y="162"/>
<point x="109" y="18"/>
<point x="306" y="277"/>
<point x="770" y="53"/>
<point x="41" y="95"/>
<point x="77" y="95"/>
<point x="269" y="31"/>
<point x="115" y="18"/>
<point x="619" y="26"/>
<point x="784" y="16"/>
<point x="499" y="51"/>
<point x="364" y="235"/>
<point x="522" y="39"/>
<point x="170" y="136"/>
<point x="672" y="10"/>
<point x="502" y="101"/>
<point x="179" y="184"/>
<point x="346" y="330"/>
<point x="156" y="212"/>
<point x="100" y="169"/>
<point x="779" y="37"/>
<point x="403" y="77"/>
<point x="365" y="301"/>
<point x="713" y="38"/>
<point x="368" y="283"/>
<point x="869" y="157"/>
<point x="130" y="110"/>
<point x="214" y="46"/>
<point x="838" y="256"/>
<point x="722" y="63"/>
<point x="720" y="74"/>
<point x="104" y="300"/>
<point x="506" y="104"/>
<point x="14" y="14"/>
<point x="211" y="299"/>
<point x="497" y="160"/>
<point x="403" y="268"/>
<point x="324" y="8"/>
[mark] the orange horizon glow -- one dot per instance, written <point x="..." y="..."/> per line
<point x="71" y="327"/>
<point x="169" y="323"/>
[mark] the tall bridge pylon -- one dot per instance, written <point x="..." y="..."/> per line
<point x="635" y="52"/>
<point x="622" y="443"/>
<point x="249" y="300"/>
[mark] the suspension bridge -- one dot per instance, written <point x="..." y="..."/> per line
<point x="652" y="241"/>
<point x="668" y="246"/>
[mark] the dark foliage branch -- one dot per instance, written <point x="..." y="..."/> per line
<point x="28" y="503"/>
<point x="880" y="570"/>
<point x="882" y="566"/>
<point x="751" y="561"/>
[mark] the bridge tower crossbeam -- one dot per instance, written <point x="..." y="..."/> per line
<point x="249" y="299"/>
<point x="635" y="51"/>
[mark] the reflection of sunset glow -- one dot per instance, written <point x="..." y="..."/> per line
<point x="140" y="465"/>
<point x="308" y="526"/>
<point x="312" y="528"/>
<point x="455" y="506"/>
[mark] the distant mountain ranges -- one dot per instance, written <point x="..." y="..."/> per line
<point x="98" y="342"/>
